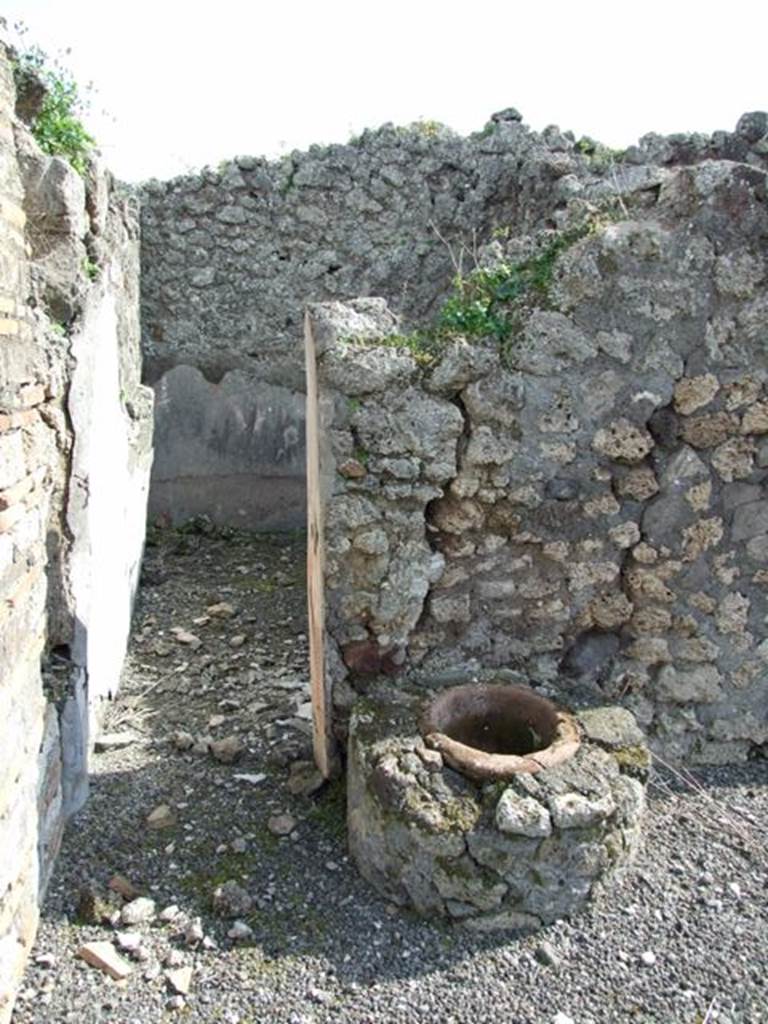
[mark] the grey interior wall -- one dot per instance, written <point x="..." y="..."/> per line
<point x="231" y="449"/>
<point x="231" y="257"/>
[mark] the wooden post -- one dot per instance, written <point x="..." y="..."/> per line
<point x="322" y="737"/>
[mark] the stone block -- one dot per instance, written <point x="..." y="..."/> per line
<point x="457" y="515"/>
<point x="699" y="685"/>
<point x="639" y="484"/>
<point x="522" y="816"/>
<point x="757" y="548"/>
<point x="734" y="459"/>
<point x="572" y="810"/>
<point x="750" y="520"/>
<point x="692" y="393"/>
<point x="710" y="430"/>
<point x="623" y="441"/>
<point x="551" y="344"/>
<point x="755" y="419"/>
<point x="54" y="196"/>
<point x="611" y="727"/>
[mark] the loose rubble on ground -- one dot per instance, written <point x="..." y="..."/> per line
<point x="207" y="878"/>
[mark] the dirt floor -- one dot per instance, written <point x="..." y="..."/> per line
<point x="208" y="807"/>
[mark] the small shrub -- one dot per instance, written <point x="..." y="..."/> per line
<point x="429" y="128"/>
<point x="485" y="302"/>
<point x="58" y="330"/>
<point x="599" y="155"/>
<point x="489" y="303"/>
<point x="362" y="456"/>
<point x="56" y="126"/>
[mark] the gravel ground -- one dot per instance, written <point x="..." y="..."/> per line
<point x="684" y="940"/>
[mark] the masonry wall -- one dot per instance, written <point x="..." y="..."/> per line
<point x="231" y="257"/>
<point x="75" y="453"/>
<point x="584" y="507"/>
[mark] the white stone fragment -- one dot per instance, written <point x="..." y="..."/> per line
<point x="193" y="933"/>
<point x="180" y="979"/>
<point x="114" y="741"/>
<point x="138" y="911"/>
<point x="573" y="810"/>
<point x="174" y="958"/>
<point x="253" y="778"/>
<point x="240" y="931"/>
<point x="105" y="957"/>
<point x="522" y="815"/>
<point x="161" y="817"/>
<point x="128" y="941"/>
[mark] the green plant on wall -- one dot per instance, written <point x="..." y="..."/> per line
<point x="599" y="156"/>
<point x="90" y="268"/>
<point x="424" y="345"/>
<point x="428" y="128"/>
<point x="483" y="301"/>
<point x="56" y="125"/>
<point x="488" y="302"/>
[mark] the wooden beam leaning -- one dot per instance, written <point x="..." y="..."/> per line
<point x="322" y="723"/>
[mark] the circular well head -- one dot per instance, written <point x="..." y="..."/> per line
<point x="496" y="731"/>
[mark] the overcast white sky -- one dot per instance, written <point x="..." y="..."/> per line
<point x="191" y="84"/>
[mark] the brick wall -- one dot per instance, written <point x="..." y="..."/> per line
<point x="23" y="513"/>
<point x="74" y="421"/>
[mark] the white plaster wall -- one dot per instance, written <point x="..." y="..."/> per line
<point x="108" y="498"/>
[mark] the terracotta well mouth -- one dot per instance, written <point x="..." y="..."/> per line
<point x="496" y="731"/>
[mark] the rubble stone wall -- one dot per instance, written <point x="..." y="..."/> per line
<point x="75" y="453"/>
<point x="586" y="503"/>
<point x="231" y="257"/>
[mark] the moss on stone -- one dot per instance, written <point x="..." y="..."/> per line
<point x="614" y="847"/>
<point x="633" y="760"/>
<point x="461" y="814"/>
